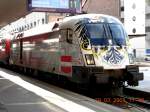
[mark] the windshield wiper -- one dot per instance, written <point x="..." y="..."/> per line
<point x="105" y="36"/>
<point x="115" y="41"/>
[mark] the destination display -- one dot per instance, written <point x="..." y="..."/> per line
<point x="57" y="6"/>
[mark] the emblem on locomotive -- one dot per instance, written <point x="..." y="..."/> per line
<point x="113" y="56"/>
<point x="81" y="29"/>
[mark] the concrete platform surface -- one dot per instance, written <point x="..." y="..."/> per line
<point x="143" y="64"/>
<point x="14" y="98"/>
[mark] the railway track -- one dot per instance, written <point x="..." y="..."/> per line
<point x="131" y="101"/>
<point x="136" y="93"/>
<point x="130" y="104"/>
<point x="138" y="99"/>
<point x="134" y="100"/>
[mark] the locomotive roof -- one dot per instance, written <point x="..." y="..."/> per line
<point x="37" y="30"/>
<point x="69" y="22"/>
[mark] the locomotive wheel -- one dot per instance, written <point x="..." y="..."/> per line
<point x="92" y="87"/>
<point x="35" y="73"/>
<point x="63" y="81"/>
<point x="25" y="70"/>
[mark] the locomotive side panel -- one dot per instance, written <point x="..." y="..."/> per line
<point x="15" y="54"/>
<point x="50" y="52"/>
<point x="70" y="52"/>
<point x="39" y="52"/>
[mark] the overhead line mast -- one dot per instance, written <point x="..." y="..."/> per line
<point x="83" y="4"/>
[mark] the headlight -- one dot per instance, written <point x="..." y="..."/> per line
<point x="131" y="59"/>
<point x="89" y="59"/>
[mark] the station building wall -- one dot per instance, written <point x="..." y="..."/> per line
<point x="110" y="7"/>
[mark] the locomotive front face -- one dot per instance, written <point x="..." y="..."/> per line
<point x="104" y="43"/>
<point x="103" y="49"/>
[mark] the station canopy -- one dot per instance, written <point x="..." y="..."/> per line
<point x="11" y="10"/>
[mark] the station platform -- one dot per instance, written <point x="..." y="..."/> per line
<point x="144" y="85"/>
<point x="20" y="94"/>
<point x="143" y="64"/>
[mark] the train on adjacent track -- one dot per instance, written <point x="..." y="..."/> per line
<point x="87" y="48"/>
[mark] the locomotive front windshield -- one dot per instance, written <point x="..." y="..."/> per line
<point x="100" y="34"/>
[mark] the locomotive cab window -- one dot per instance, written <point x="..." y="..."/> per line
<point x="117" y="33"/>
<point x="69" y="37"/>
<point x="97" y="33"/>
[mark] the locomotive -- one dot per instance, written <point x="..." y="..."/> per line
<point x="83" y="48"/>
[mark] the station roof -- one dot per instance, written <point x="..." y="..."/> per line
<point x="11" y="10"/>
